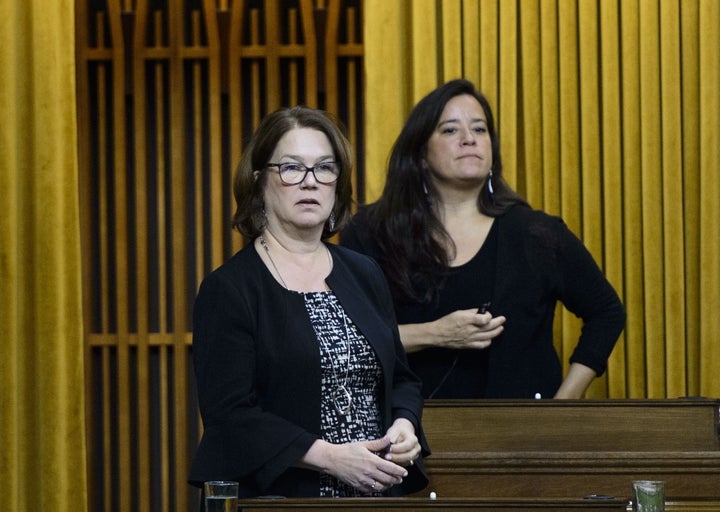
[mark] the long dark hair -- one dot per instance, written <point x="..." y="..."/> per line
<point x="412" y="239"/>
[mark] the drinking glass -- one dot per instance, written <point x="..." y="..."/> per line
<point x="648" y="495"/>
<point x="221" y="496"/>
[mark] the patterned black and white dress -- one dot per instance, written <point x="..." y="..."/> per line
<point x="351" y="416"/>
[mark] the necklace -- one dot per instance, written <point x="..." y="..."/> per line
<point x="341" y="397"/>
<point x="272" y="262"/>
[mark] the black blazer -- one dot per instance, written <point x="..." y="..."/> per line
<point x="257" y="366"/>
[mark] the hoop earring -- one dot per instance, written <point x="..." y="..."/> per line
<point x="491" y="192"/>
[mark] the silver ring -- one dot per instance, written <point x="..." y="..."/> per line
<point x="373" y="484"/>
<point x="412" y="462"/>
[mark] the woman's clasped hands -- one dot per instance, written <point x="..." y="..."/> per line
<point x="377" y="465"/>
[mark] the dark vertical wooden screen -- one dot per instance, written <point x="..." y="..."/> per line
<point x="168" y="91"/>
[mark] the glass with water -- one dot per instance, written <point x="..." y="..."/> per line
<point x="221" y="496"/>
<point x="648" y="496"/>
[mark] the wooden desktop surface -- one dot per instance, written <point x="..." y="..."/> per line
<point x="415" y="504"/>
<point x="462" y="504"/>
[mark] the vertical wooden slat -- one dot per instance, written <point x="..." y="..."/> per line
<point x="237" y="18"/>
<point x="103" y="222"/>
<point x="214" y="136"/>
<point x="164" y="426"/>
<point x="255" y="77"/>
<point x="291" y="30"/>
<point x="310" y="53"/>
<point x="197" y="145"/>
<point x="120" y="250"/>
<point x="272" y="44"/>
<point x="331" y="54"/>
<point x="141" y="253"/>
<point x="200" y="207"/>
<point x="102" y="175"/>
<point x="351" y="93"/>
<point x="178" y="198"/>
<point x="107" y="429"/>
<point x="161" y="202"/>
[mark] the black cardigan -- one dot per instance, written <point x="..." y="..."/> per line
<point x="257" y="367"/>
<point x="539" y="262"/>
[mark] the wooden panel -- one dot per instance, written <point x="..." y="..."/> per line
<point x="550" y="449"/>
<point x="572" y="425"/>
<point x="168" y="92"/>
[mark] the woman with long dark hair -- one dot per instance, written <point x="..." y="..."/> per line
<point x="474" y="271"/>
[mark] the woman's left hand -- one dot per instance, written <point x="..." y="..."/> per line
<point x="404" y="447"/>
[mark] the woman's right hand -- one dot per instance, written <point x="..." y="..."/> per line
<point x="461" y="329"/>
<point x="358" y="464"/>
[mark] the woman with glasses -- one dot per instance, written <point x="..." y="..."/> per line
<point x="303" y="384"/>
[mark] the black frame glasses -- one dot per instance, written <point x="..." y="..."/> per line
<point x="294" y="173"/>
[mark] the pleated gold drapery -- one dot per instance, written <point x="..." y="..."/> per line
<point x="42" y="420"/>
<point x="609" y="115"/>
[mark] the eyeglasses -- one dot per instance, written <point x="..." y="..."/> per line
<point x="292" y="173"/>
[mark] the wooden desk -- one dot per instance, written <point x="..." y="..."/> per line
<point x="415" y="504"/>
<point x="514" y="456"/>
<point x="463" y="504"/>
<point x="570" y="449"/>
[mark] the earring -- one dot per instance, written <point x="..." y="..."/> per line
<point x="491" y="192"/>
<point x="427" y="195"/>
<point x="331" y="222"/>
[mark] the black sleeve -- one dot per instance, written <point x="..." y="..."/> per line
<point x="240" y="440"/>
<point x="585" y="291"/>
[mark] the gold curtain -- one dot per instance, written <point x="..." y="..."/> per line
<point x="609" y="116"/>
<point x="42" y="417"/>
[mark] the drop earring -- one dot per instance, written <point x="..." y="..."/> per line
<point x="427" y="195"/>
<point x="491" y="192"/>
<point x="331" y="222"/>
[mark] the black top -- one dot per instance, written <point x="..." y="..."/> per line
<point x="538" y="262"/>
<point x="259" y="373"/>
<point x="448" y="373"/>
